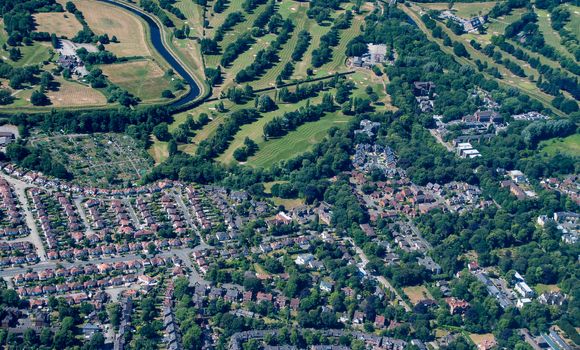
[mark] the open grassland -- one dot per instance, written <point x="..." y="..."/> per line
<point x="417" y="293"/>
<point x="68" y="94"/>
<point x="143" y="78"/>
<point x="158" y="150"/>
<point x="569" y="145"/>
<point x="464" y="10"/>
<point x="550" y="35"/>
<point x="73" y="94"/>
<point x="59" y="23"/>
<point x="108" y="19"/>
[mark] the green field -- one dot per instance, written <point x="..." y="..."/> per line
<point x="296" y="142"/>
<point x="143" y="78"/>
<point x="550" y="35"/>
<point x="574" y="24"/>
<point x="569" y="145"/>
<point x="464" y="10"/>
<point x="34" y="54"/>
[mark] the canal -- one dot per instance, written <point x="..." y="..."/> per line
<point x="158" y="43"/>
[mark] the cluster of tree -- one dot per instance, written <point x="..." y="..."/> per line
<point x="552" y="79"/>
<point x="280" y="126"/>
<point x="559" y="17"/>
<point x="101" y="57"/>
<point x="231" y="20"/>
<point x="265" y="104"/>
<point x="302" y="45"/>
<point x="236" y="48"/>
<point x="533" y="39"/>
<point x="543" y="130"/>
<point x="18" y="20"/>
<point x="220" y="6"/>
<point x="356" y="105"/>
<point x="6" y="97"/>
<point x="152" y="7"/>
<point x="209" y="46"/>
<point x="455" y="27"/>
<point x="85" y="35"/>
<point x="249" y="148"/>
<point x="505" y="7"/>
<point x="250" y="5"/>
<point x="168" y="6"/>
<point x="323" y="54"/>
<point x="213" y="75"/>
<point x="240" y="96"/>
<point x="357" y="46"/>
<point x="182" y="32"/>
<point x="19" y="76"/>
<point x="286" y="73"/>
<point x="122" y="96"/>
<point x="321" y="10"/>
<point x="266" y="58"/>
<point x="301" y="92"/>
<point x="36" y="159"/>
<point x="219" y="142"/>
<point x="264" y="17"/>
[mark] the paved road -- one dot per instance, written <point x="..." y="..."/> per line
<point x="382" y="280"/>
<point x="34" y="237"/>
<point x="188" y="218"/>
<point x="182" y="253"/>
<point x="78" y="203"/>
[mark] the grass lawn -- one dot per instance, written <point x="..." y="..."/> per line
<point x="574" y="24"/>
<point x="296" y="142"/>
<point x="550" y="35"/>
<point x="143" y="78"/>
<point x="288" y="203"/>
<point x="542" y="288"/>
<point x="268" y="185"/>
<point x="464" y="10"/>
<point x="481" y="338"/>
<point x="255" y="130"/>
<point x="569" y="145"/>
<point x="158" y="150"/>
<point x="417" y="293"/>
<point x="60" y="23"/>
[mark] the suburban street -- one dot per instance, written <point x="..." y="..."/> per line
<point x="34" y="237"/>
<point x="382" y="280"/>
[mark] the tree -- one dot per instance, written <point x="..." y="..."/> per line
<point x="459" y="49"/>
<point x="161" y="131"/>
<point x="114" y="313"/>
<point x="38" y="98"/>
<point x="6" y="97"/>
<point x="167" y="94"/>
<point x="266" y="104"/>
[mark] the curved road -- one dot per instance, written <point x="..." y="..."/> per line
<point x="155" y="34"/>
